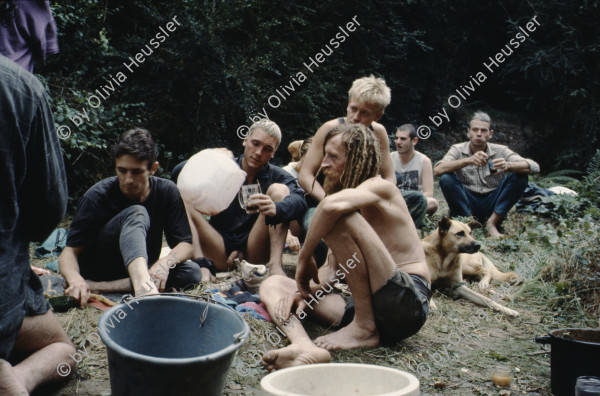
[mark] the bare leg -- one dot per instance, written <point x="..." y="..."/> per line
<point x="210" y="243"/>
<point x="358" y="248"/>
<point x="140" y="277"/>
<point x="197" y="250"/>
<point x="273" y="293"/>
<point x="492" y="222"/>
<point x="50" y="346"/>
<point x="263" y="237"/>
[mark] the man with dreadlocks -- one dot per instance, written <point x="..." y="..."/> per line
<point x="376" y="249"/>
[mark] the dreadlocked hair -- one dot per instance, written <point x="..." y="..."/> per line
<point x="363" y="155"/>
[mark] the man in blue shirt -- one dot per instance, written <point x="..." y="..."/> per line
<point x="258" y="236"/>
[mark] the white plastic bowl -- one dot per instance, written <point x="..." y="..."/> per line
<point x="343" y="379"/>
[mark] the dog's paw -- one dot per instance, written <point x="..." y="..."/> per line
<point x="484" y="285"/>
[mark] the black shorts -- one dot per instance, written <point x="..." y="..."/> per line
<point x="35" y="304"/>
<point x="401" y="307"/>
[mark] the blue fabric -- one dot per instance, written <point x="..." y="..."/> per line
<point x="54" y="244"/>
<point x="462" y="202"/>
<point x="234" y="224"/>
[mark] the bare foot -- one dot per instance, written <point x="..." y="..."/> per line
<point x="9" y="382"/>
<point x="493" y="231"/>
<point x="147" y="288"/>
<point x="207" y="276"/>
<point x="349" y="337"/>
<point x="297" y="354"/>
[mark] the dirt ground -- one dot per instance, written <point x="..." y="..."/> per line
<point x="454" y="354"/>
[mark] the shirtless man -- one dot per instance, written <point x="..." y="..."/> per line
<point x="360" y="219"/>
<point x="367" y="99"/>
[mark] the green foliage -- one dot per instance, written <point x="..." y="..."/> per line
<point x="228" y="57"/>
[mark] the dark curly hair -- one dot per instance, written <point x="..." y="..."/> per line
<point x="138" y="143"/>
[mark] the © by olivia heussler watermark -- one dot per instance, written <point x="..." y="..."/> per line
<point x="282" y="93"/>
<point x="103" y="92"/>
<point x="275" y="339"/>
<point x="491" y="65"/>
<point x="64" y="369"/>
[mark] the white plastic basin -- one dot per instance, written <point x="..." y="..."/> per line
<point x="343" y="379"/>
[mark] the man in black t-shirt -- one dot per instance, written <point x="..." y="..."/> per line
<point x="116" y="232"/>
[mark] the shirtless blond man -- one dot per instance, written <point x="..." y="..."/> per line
<point x="361" y="219"/>
<point x="367" y="99"/>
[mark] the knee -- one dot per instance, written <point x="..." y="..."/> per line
<point x="137" y="214"/>
<point x="520" y="180"/>
<point x="194" y="275"/>
<point x="278" y="192"/>
<point x="432" y="205"/>
<point x="270" y="287"/>
<point x="448" y="180"/>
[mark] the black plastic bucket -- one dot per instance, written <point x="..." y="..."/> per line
<point x="167" y="345"/>
<point x="575" y="353"/>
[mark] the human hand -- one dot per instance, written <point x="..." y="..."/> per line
<point x="263" y="204"/>
<point x="306" y="271"/>
<point x="501" y="165"/>
<point x="79" y="290"/>
<point x="283" y="307"/>
<point x="236" y="254"/>
<point x="159" y="274"/>
<point x="292" y="241"/>
<point x="479" y="158"/>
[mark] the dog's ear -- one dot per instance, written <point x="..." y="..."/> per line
<point x="474" y="224"/>
<point x="444" y="224"/>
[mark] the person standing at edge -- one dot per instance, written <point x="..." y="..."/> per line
<point x="483" y="179"/>
<point x="32" y="202"/>
<point x="27" y="31"/>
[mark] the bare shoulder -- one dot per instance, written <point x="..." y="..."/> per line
<point x="379" y="186"/>
<point x="379" y="129"/>
<point x="326" y="127"/>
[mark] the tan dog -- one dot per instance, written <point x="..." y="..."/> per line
<point x="451" y="252"/>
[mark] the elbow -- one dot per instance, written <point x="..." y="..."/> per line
<point x="332" y="206"/>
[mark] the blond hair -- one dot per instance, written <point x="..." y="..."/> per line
<point x="294" y="149"/>
<point x="270" y="128"/>
<point x="371" y="90"/>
